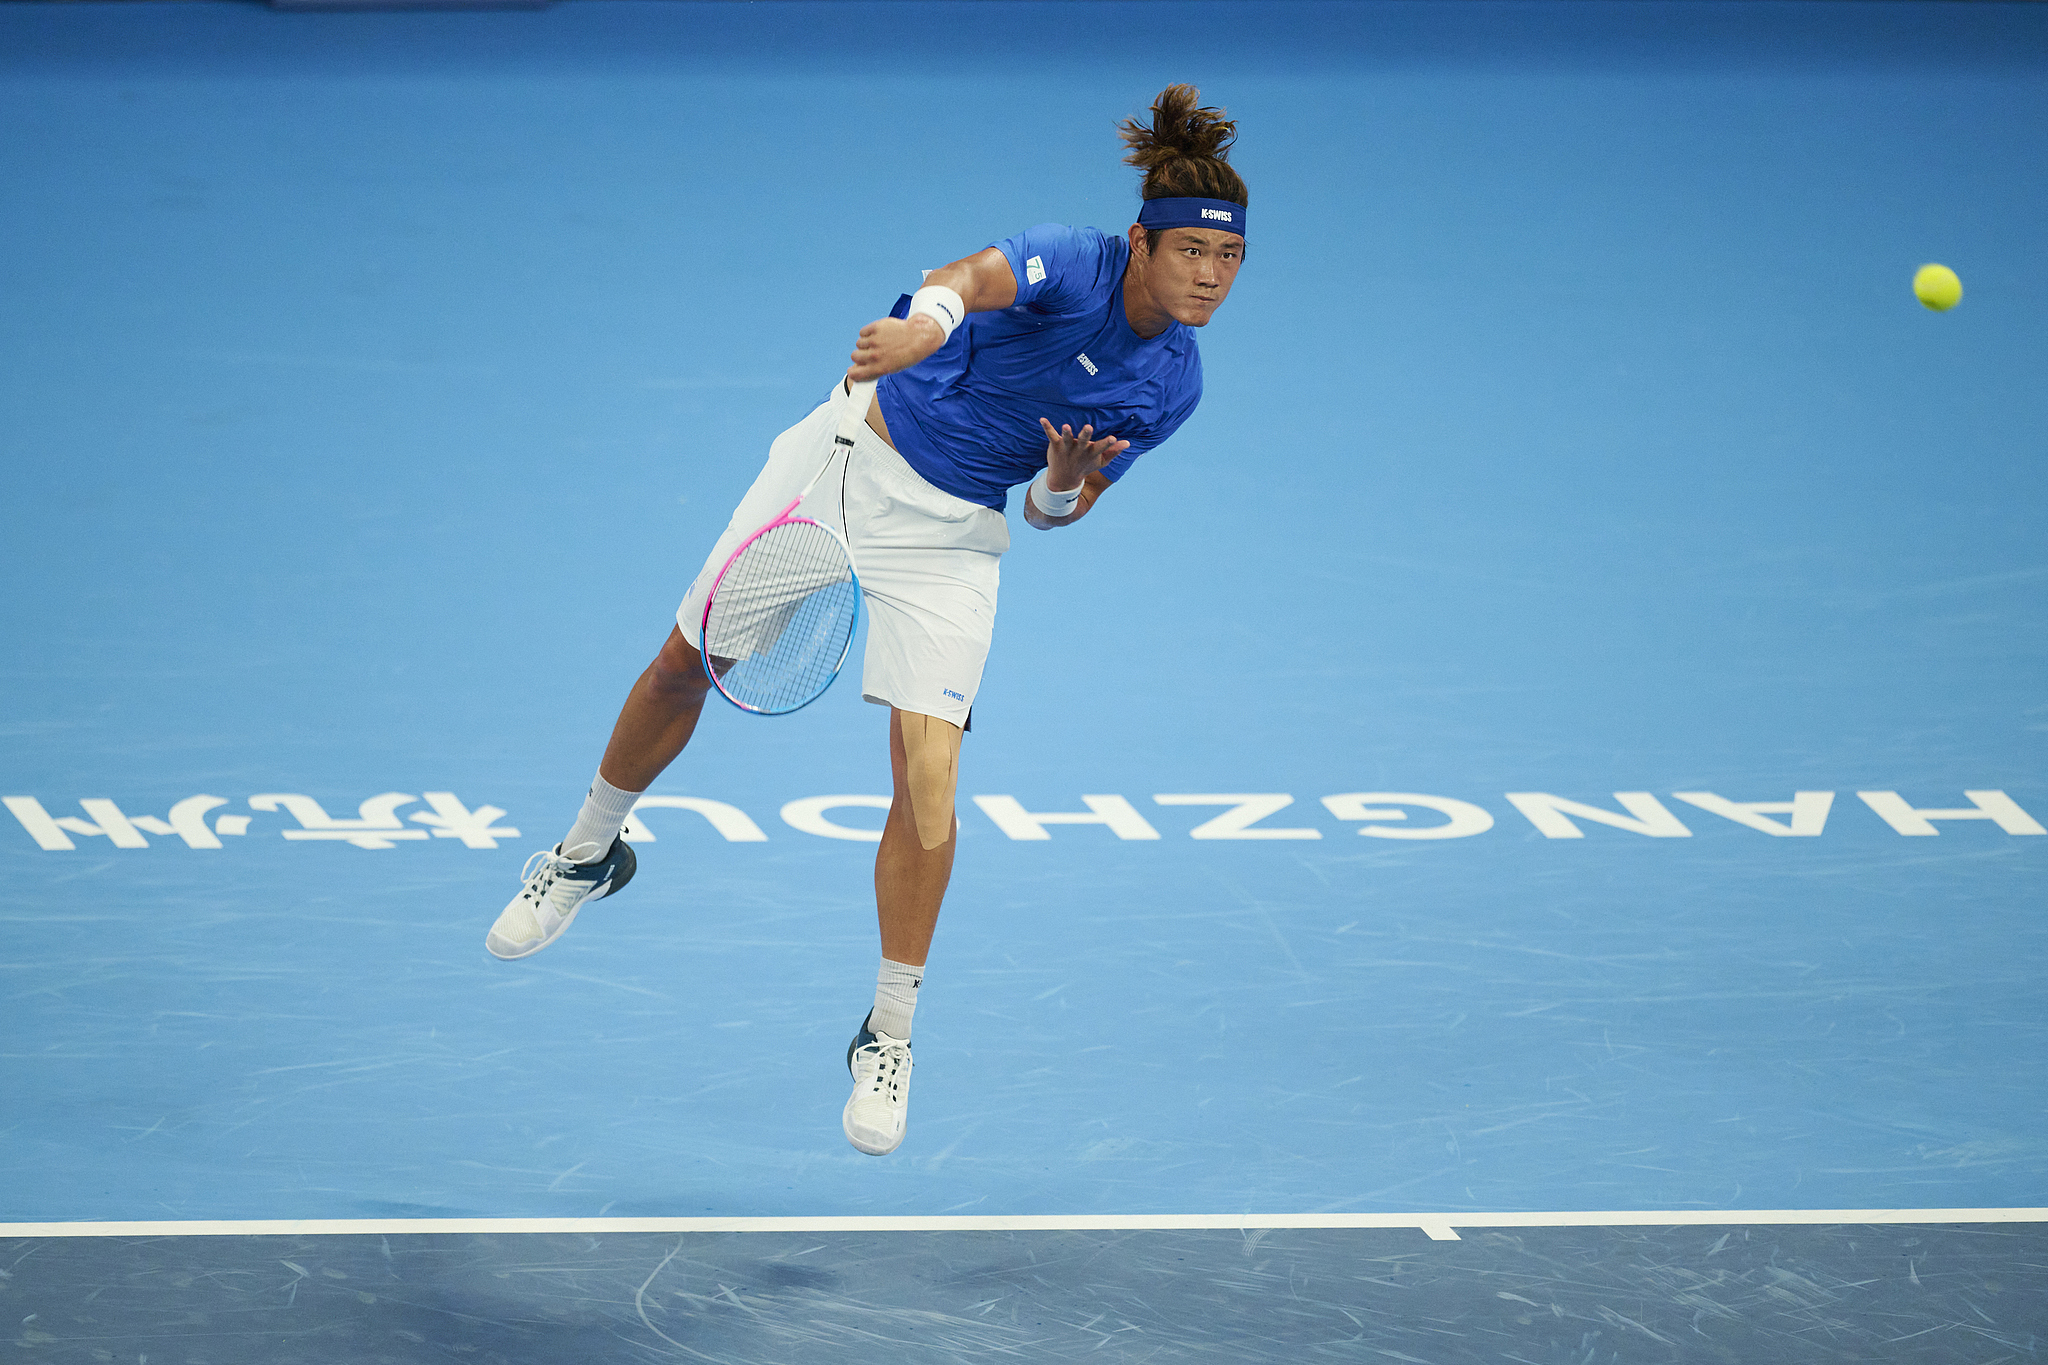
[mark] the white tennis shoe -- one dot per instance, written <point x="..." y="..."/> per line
<point x="879" y="1110"/>
<point x="553" y="889"/>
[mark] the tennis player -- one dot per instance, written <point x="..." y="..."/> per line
<point x="1057" y="356"/>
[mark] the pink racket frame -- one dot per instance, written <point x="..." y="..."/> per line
<point x="852" y="417"/>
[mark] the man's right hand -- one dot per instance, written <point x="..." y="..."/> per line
<point x="983" y="281"/>
<point x="887" y="345"/>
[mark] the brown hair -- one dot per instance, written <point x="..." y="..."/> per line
<point x="1185" y="152"/>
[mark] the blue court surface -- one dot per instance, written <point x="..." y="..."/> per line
<point x="1577" y="480"/>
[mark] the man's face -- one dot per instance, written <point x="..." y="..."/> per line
<point x="1190" y="273"/>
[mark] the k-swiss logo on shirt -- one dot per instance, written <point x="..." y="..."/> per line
<point x="1219" y="214"/>
<point x="1086" y="363"/>
<point x="1034" y="270"/>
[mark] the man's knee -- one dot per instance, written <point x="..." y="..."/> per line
<point x="678" y="668"/>
<point x="931" y="770"/>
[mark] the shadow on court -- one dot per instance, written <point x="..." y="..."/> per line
<point x="1583" y="1295"/>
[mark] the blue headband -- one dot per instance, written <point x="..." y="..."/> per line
<point x="1220" y="214"/>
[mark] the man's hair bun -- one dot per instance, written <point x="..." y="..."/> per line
<point x="1184" y="151"/>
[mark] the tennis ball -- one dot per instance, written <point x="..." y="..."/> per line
<point x="1937" y="287"/>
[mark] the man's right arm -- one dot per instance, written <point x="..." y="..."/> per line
<point x="983" y="281"/>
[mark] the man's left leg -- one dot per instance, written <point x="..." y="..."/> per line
<point x="929" y="571"/>
<point x="915" y="861"/>
<point x="912" y="868"/>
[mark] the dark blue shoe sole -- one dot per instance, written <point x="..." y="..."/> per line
<point x="624" y="865"/>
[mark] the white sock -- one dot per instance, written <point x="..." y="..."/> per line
<point x="895" y="998"/>
<point x="598" y="823"/>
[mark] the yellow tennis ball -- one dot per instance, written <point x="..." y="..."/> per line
<point x="1937" y="287"/>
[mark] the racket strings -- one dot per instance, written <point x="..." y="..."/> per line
<point x="781" y="617"/>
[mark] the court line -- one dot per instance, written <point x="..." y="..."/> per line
<point x="1441" y="1227"/>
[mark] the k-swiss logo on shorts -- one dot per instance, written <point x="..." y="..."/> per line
<point x="1218" y="214"/>
<point x="951" y="693"/>
<point x="1034" y="270"/>
<point x="1086" y="363"/>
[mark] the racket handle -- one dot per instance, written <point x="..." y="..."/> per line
<point x="859" y="398"/>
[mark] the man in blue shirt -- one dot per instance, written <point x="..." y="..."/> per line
<point x="1066" y="345"/>
<point x="1059" y="355"/>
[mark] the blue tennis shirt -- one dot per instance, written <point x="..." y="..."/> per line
<point x="966" y="417"/>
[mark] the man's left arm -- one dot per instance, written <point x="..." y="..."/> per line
<point x="1092" y="487"/>
<point x="1073" y="469"/>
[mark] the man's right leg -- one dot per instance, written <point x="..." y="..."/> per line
<point x="591" y="862"/>
<point x="658" y="718"/>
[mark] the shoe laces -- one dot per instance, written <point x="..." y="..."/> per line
<point x="551" y="866"/>
<point x="891" y="1059"/>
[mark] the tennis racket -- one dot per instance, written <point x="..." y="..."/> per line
<point x="782" y="610"/>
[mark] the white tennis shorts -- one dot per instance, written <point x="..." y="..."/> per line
<point x="928" y="562"/>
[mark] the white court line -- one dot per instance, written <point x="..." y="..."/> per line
<point x="1439" y="1226"/>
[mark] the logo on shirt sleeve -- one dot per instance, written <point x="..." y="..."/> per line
<point x="1034" y="270"/>
<point x="1086" y="363"/>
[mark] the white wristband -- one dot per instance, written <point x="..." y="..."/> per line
<point x="1054" y="505"/>
<point x="941" y="305"/>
